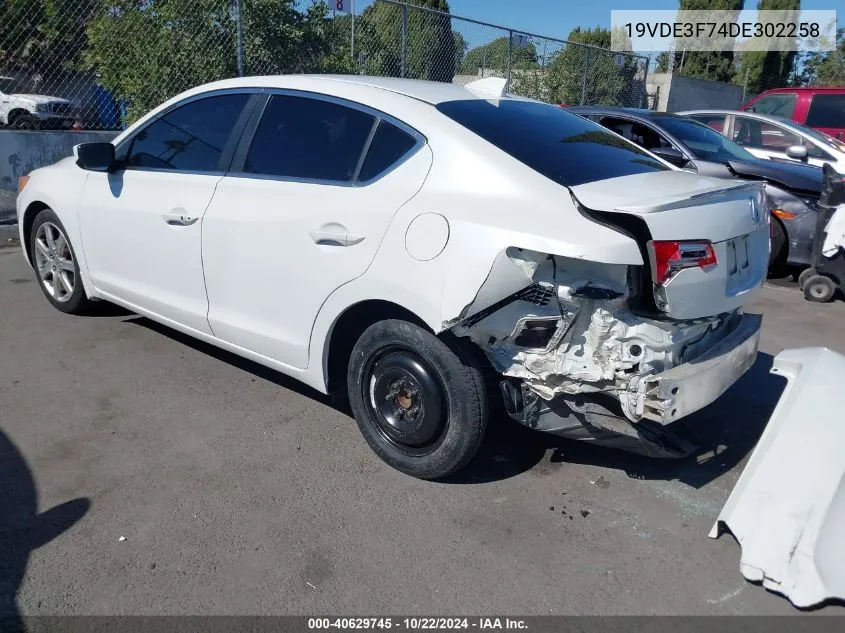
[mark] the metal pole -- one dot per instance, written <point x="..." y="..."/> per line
<point x="352" y="38"/>
<point x="584" y="78"/>
<point x="240" y="44"/>
<point x="404" y="36"/>
<point x="510" y="52"/>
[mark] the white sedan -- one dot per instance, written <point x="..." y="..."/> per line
<point x="418" y="248"/>
<point x="768" y="136"/>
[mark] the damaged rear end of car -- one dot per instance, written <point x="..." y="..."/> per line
<point x="616" y="353"/>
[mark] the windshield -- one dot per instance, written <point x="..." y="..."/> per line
<point x="10" y="86"/>
<point x="704" y="141"/>
<point x="558" y="144"/>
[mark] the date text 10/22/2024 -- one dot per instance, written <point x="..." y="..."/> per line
<point x="418" y="623"/>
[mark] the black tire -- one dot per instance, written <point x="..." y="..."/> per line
<point x="804" y="276"/>
<point x="76" y="302"/>
<point x="419" y="402"/>
<point x="819" y="289"/>
<point x="25" y="122"/>
<point x="778" y="255"/>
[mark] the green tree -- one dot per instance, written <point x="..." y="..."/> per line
<point x="823" y="68"/>
<point x="589" y="72"/>
<point x="430" y="46"/>
<point x="716" y="65"/>
<point x="494" y="55"/>
<point x="45" y="36"/>
<point x="146" y="51"/>
<point x="760" y="70"/>
<point x="460" y="50"/>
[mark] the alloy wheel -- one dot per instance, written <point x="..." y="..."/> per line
<point x="54" y="262"/>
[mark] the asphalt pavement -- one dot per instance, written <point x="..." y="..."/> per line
<point x="143" y="472"/>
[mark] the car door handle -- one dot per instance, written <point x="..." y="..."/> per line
<point x="335" y="235"/>
<point x="178" y="219"/>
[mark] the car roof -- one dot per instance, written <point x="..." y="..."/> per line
<point x="803" y="89"/>
<point x="432" y="92"/>
<point x="745" y="113"/>
<point x="641" y="113"/>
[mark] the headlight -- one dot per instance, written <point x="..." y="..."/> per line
<point x="42" y="107"/>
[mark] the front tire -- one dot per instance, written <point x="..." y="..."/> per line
<point x="419" y="402"/>
<point x="55" y="264"/>
<point x="25" y="122"/>
<point x="780" y="249"/>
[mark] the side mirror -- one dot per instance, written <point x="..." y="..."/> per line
<point x="95" y="156"/>
<point x="670" y="155"/>
<point x="798" y="152"/>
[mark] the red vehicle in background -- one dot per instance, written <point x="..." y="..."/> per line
<point x="820" y="108"/>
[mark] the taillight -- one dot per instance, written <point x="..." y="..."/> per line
<point x="670" y="257"/>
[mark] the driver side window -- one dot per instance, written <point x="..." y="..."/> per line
<point x="191" y="137"/>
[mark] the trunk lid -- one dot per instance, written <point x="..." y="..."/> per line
<point x="680" y="206"/>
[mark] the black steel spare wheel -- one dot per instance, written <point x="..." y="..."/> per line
<point x="407" y="400"/>
<point x="419" y="399"/>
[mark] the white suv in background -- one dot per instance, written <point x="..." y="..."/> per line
<point x="31" y="111"/>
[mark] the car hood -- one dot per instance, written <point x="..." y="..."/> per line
<point x="790" y="176"/>
<point x="39" y="98"/>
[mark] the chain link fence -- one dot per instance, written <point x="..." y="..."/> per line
<point x="100" y="64"/>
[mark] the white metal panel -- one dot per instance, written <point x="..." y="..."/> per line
<point x="788" y="508"/>
<point x="135" y="252"/>
<point x="269" y="260"/>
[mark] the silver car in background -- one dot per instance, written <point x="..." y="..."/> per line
<point x="775" y="137"/>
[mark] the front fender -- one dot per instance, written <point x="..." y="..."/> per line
<point x="60" y="189"/>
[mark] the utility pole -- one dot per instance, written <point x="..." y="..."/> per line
<point x="352" y="38"/>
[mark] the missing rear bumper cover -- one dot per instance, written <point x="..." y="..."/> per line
<point x="594" y="418"/>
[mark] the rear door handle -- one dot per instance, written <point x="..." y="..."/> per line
<point x="335" y="235"/>
<point x="179" y="219"/>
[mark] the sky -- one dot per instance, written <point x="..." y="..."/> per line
<point x="556" y="18"/>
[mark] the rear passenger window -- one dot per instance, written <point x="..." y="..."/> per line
<point x="189" y="138"/>
<point x="713" y="121"/>
<point x="388" y="146"/>
<point x="299" y="137"/>
<point x="827" y="111"/>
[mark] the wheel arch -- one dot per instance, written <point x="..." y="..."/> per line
<point x="32" y="210"/>
<point x="348" y="327"/>
<point x="15" y="113"/>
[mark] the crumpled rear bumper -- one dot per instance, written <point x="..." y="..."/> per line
<point x="690" y="386"/>
<point x="787" y="511"/>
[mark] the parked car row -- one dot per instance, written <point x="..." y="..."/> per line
<point x="421" y="249"/>
<point x="821" y="109"/>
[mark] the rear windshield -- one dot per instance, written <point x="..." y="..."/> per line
<point x="560" y="145"/>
